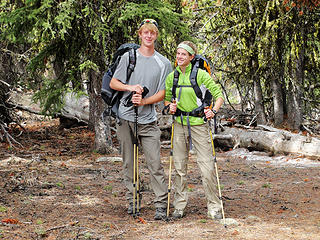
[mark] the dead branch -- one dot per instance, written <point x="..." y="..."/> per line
<point x="27" y="109"/>
<point x="9" y="138"/>
<point x="62" y="226"/>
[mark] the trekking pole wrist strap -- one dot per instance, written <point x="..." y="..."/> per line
<point x="166" y="110"/>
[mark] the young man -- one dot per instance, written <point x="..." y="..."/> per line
<point x="150" y="71"/>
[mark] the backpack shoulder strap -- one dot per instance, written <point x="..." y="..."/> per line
<point x="193" y="80"/>
<point x="175" y="83"/>
<point x="132" y="63"/>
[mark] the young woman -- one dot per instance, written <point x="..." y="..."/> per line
<point x="188" y="123"/>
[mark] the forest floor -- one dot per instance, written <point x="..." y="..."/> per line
<point x="56" y="187"/>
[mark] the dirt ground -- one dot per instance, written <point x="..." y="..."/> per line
<point x="56" y="187"/>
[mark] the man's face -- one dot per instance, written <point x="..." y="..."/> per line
<point x="148" y="37"/>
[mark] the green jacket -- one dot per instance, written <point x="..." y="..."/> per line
<point x="188" y="100"/>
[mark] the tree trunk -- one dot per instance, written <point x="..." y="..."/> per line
<point x="296" y="113"/>
<point x="276" y="85"/>
<point x="277" y="102"/>
<point x="103" y="141"/>
<point x="259" y="108"/>
<point x="253" y="66"/>
<point x="258" y="97"/>
<point x="9" y="69"/>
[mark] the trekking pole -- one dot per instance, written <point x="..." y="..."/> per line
<point x="135" y="166"/>
<point x="137" y="159"/>
<point x="170" y="164"/>
<point x="136" y="180"/>
<point x="134" y="176"/>
<point x="218" y="182"/>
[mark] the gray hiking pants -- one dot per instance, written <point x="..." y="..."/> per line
<point x="202" y="143"/>
<point x="149" y="137"/>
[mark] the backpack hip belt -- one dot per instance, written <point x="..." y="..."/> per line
<point x="197" y="112"/>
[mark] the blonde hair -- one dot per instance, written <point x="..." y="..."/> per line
<point x="148" y="26"/>
<point x="192" y="45"/>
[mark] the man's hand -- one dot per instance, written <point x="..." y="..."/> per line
<point x="137" y="99"/>
<point x="136" y="89"/>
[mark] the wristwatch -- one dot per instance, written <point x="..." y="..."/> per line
<point x="214" y="111"/>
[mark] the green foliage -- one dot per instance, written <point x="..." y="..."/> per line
<point x="248" y="40"/>
<point x="41" y="232"/>
<point x="70" y="38"/>
<point x="108" y="188"/>
<point x="203" y="220"/>
<point x="51" y="96"/>
<point x="3" y="209"/>
<point x="60" y="185"/>
<point x="39" y="221"/>
<point x="245" y="40"/>
<point x="266" y="185"/>
<point x="241" y="182"/>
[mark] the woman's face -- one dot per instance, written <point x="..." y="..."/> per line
<point x="183" y="57"/>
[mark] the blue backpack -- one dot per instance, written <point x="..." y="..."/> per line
<point x="110" y="96"/>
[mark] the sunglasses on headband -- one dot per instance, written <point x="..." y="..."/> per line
<point x="149" y="21"/>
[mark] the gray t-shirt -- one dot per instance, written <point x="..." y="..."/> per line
<point x="149" y="72"/>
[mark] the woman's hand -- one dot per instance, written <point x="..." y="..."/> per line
<point x="209" y="113"/>
<point x="173" y="107"/>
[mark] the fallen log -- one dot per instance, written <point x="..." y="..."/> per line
<point x="277" y="141"/>
<point x="76" y="107"/>
<point x="75" y="111"/>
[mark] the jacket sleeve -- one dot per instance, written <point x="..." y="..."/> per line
<point x="169" y="83"/>
<point x="209" y="83"/>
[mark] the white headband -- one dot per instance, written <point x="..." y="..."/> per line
<point x="187" y="48"/>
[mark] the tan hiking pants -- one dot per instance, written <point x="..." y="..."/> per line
<point x="149" y="137"/>
<point x="202" y="143"/>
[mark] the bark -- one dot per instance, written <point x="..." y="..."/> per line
<point x="253" y="66"/>
<point x="296" y="113"/>
<point x="276" y="86"/>
<point x="259" y="107"/>
<point x="258" y="97"/>
<point x="277" y="102"/>
<point x="101" y="126"/>
<point x="5" y="84"/>
<point x="11" y="68"/>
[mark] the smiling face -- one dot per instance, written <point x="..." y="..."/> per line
<point x="183" y="57"/>
<point x="148" y="34"/>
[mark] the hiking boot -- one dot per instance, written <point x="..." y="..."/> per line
<point x="178" y="213"/>
<point x="161" y="213"/>
<point x="130" y="208"/>
<point x="215" y="214"/>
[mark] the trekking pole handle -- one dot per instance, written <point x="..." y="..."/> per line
<point x="213" y="111"/>
<point x="174" y="101"/>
